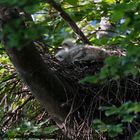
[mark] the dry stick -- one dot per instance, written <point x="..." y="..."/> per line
<point x="69" y="20"/>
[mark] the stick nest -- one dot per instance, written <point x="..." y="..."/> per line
<point x="87" y="98"/>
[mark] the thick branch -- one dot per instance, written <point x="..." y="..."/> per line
<point x="69" y="20"/>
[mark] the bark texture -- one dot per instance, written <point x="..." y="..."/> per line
<point x="43" y="83"/>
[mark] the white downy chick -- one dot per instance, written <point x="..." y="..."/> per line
<point x="64" y="52"/>
<point x="105" y="29"/>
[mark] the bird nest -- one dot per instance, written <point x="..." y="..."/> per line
<point x="87" y="98"/>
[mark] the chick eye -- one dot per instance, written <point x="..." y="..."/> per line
<point x="60" y="56"/>
<point x="65" y="44"/>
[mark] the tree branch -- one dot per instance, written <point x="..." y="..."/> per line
<point x="69" y="20"/>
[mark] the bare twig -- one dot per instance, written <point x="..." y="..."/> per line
<point x="69" y="20"/>
<point x="11" y="114"/>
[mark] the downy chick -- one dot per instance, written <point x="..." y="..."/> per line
<point x="65" y="53"/>
<point x="106" y="29"/>
<point x="71" y="53"/>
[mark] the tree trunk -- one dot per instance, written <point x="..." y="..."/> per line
<point x="42" y="82"/>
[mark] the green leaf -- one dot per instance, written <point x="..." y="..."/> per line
<point x="128" y="118"/>
<point x="110" y="1"/>
<point x="99" y="125"/>
<point x="114" y="130"/>
<point x="72" y="2"/>
<point x="51" y="129"/>
<point x="111" y="111"/>
<point x="89" y="79"/>
<point x="137" y="136"/>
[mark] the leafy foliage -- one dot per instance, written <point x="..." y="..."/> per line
<point x="112" y="129"/>
<point x="128" y="113"/>
<point x="48" y="26"/>
<point x="125" y="16"/>
<point x="29" y="128"/>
